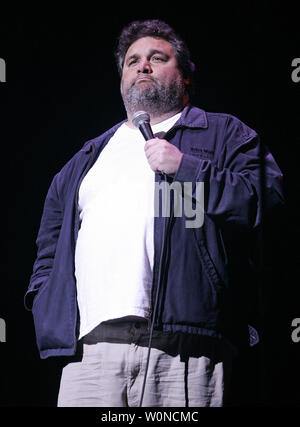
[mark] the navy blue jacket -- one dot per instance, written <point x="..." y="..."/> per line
<point x="205" y="283"/>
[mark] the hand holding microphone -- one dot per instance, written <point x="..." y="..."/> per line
<point x="163" y="157"/>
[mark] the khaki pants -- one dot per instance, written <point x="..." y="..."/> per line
<point x="111" y="374"/>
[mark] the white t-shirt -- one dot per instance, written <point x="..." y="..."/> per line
<point x="115" y="247"/>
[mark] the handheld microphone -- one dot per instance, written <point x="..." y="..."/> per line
<point x="141" y="120"/>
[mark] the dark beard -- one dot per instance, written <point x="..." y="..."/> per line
<point x="155" y="98"/>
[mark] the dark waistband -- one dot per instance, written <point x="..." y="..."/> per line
<point x="137" y="331"/>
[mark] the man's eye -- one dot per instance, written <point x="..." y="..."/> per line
<point x="157" y="58"/>
<point x="132" y="61"/>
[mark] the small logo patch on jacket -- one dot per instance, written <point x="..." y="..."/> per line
<point x="202" y="152"/>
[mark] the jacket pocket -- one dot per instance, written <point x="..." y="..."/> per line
<point x="209" y="268"/>
<point x="33" y="292"/>
<point x="39" y="291"/>
<point x="42" y="311"/>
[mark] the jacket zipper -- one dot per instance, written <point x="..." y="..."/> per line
<point x="78" y="187"/>
<point x="167" y="134"/>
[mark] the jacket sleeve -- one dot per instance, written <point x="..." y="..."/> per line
<point x="241" y="183"/>
<point x="46" y="242"/>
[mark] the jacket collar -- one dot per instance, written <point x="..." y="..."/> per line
<point x="192" y="117"/>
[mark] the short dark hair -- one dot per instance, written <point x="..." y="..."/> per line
<point x="155" y="28"/>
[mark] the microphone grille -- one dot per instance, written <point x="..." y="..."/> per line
<point x="139" y="117"/>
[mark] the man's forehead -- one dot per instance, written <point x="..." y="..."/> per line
<point x="145" y="44"/>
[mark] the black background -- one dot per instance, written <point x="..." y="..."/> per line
<point x="63" y="88"/>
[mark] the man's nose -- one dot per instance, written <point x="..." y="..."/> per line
<point x="145" y="67"/>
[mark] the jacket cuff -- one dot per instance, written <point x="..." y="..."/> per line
<point x="189" y="168"/>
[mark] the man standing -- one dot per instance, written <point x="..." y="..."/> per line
<point x="100" y="269"/>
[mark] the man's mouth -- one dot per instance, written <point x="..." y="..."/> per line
<point x="142" y="79"/>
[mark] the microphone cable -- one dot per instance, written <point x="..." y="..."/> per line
<point x="141" y="120"/>
<point x="160" y="271"/>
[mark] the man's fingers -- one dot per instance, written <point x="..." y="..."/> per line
<point x="162" y="156"/>
<point x="151" y="143"/>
